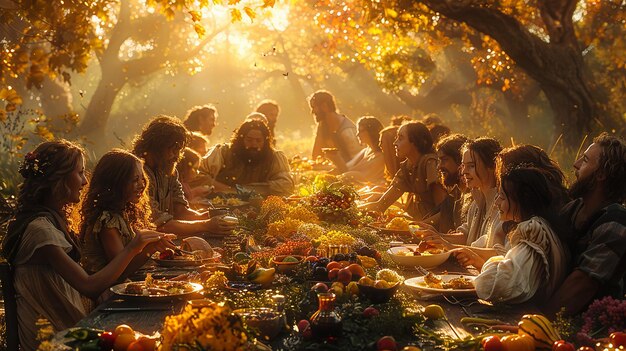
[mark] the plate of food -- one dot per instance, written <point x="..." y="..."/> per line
<point x="421" y="255"/>
<point x="193" y="251"/>
<point x="397" y="225"/>
<point x="156" y="289"/>
<point x="447" y="284"/>
<point x="229" y="202"/>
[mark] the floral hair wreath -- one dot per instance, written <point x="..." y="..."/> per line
<point x="33" y="166"/>
<point x="522" y="165"/>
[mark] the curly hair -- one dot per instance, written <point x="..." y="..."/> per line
<point x="613" y="165"/>
<point x="162" y="133"/>
<point x="192" y="119"/>
<point x="108" y="191"/>
<point x="420" y="136"/>
<point x="245" y="127"/>
<point x="536" y="157"/>
<point x="45" y="170"/>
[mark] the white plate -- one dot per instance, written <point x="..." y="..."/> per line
<point x="119" y="289"/>
<point x="425" y="261"/>
<point x="418" y="284"/>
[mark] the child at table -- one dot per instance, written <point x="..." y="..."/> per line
<point x="39" y="244"/>
<point x="115" y="208"/>
<point x="536" y="262"/>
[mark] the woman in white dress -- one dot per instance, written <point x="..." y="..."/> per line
<point x="536" y="261"/>
<point x="39" y="244"/>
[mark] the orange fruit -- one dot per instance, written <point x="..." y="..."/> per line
<point x="331" y="265"/>
<point x="148" y="343"/>
<point x="122" y="341"/>
<point x="135" y="346"/>
<point x="123" y="329"/>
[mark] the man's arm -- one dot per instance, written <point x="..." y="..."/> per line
<point x="574" y="294"/>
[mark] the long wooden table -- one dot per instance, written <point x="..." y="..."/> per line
<point x="149" y="316"/>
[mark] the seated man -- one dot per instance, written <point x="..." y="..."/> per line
<point x="201" y="119"/>
<point x="249" y="160"/>
<point x="597" y="227"/>
<point x="449" y="155"/>
<point x="334" y="131"/>
<point x="160" y="145"/>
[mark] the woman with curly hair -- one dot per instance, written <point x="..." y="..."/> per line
<point x="39" y="244"/>
<point x="114" y="210"/>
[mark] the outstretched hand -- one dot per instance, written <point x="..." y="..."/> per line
<point x="467" y="257"/>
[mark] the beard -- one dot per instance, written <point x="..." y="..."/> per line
<point x="450" y="179"/>
<point x="251" y="156"/>
<point x="582" y="186"/>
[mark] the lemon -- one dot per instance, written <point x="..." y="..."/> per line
<point x="434" y="312"/>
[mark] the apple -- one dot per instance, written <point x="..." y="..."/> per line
<point x="320" y="288"/>
<point x="344" y="275"/>
<point x="370" y="312"/>
<point x="386" y="343"/>
<point x="333" y="273"/>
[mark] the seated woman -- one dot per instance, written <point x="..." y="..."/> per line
<point x="482" y="229"/>
<point x="536" y="263"/>
<point x="417" y="175"/>
<point x="116" y="209"/>
<point x="368" y="165"/>
<point x="48" y="279"/>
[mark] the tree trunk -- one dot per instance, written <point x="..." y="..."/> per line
<point x="98" y="111"/>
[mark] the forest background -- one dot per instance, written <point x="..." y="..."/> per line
<point x="550" y="73"/>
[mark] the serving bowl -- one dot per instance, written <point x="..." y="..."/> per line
<point x="265" y="322"/>
<point x="286" y="267"/>
<point x="424" y="260"/>
<point x="378" y="295"/>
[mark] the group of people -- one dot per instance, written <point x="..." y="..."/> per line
<point x="506" y="211"/>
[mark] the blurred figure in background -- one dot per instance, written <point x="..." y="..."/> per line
<point x="271" y="110"/>
<point x="334" y="131"/>
<point x="198" y="143"/>
<point x="201" y="119"/>
<point x="187" y="169"/>
<point x="368" y="166"/>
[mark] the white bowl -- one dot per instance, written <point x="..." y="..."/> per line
<point x="425" y="261"/>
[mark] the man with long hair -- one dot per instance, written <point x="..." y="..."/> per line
<point x="597" y="227"/>
<point x="248" y="160"/>
<point x="202" y="119"/>
<point x="160" y="145"/>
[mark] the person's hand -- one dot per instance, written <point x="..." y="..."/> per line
<point x="161" y="245"/>
<point x="221" y="224"/>
<point x="425" y="232"/>
<point x="467" y="257"/>
<point x="438" y="242"/>
<point x="143" y="238"/>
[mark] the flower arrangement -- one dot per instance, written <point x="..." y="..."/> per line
<point x="283" y="229"/>
<point x="311" y="230"/>
<point x="213" y="327"/>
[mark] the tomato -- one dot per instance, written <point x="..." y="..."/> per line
<point x="561" y="345"/>
<point x="135" y="346"/>
<point x="123" y="329"/>
<point x="106" y="341"/>
<point x="492" y="343"/>
<point x="618" y="339"/>
<point x="148" y="343"/>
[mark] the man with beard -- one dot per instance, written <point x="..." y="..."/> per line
<point x="449" y="155"/>
<point x="161" y="145"/>
<point x="334" y="131"/>
<point x="248" y="160"/>
<point x="271" y="110"/>
<point x="597" y="227"/>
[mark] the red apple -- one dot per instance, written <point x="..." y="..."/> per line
<point x="320" y="288"/>
<point x="333" y="273"/>
<point x="344" y="275"/>
<point x="370" y="312"/>
<point x="303" y="325"/>
<point x="386" y="343"/>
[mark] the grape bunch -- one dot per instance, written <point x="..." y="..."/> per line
<point x="606" y="313"/>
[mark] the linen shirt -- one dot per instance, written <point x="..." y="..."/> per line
<point x="165" y="191"/>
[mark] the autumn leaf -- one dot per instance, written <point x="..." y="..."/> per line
<point x="268" y="3"/>
<point x="195" y="15"/>
<point x="235" y="15"/>
<point x="233" y="2"/>
<point x="199" y="29"/>
<point x="11" y="96"/>
<point x="217" y="2"/>
<point x="43" y="132"/>
<point x="391" y="13"/>
<point x="250" y="13"/>
<point x="169" y="13"/>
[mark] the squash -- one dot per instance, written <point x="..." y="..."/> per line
<point x="540" y="329"/>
